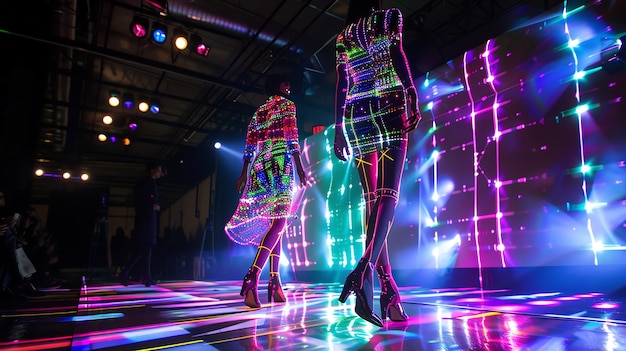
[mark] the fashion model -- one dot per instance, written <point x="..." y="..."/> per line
<point x="376" y="107"/>
<point x="272" y="149"/>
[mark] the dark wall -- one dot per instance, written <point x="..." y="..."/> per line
<point x="72" y="220"/>
<point x="22" y="91"/>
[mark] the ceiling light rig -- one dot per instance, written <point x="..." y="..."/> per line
<point x="127" y="100"/>
<point x="131" y="125"/>
<point x="113" y="139"/>
<point x="65" y="174"/>
<point x="180" y="39"/>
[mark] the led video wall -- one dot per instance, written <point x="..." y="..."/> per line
<point x="520" y="158"/>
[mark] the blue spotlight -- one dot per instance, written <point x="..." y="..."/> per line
<point x="217" y="145"/>
<point x="159" y="32"/>
<point x="155" y="106"/>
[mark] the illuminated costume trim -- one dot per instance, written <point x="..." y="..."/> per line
<point x="273" y="137"/>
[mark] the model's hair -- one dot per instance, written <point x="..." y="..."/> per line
<point x="272" y="83"/>
<point x="361" y="8"/>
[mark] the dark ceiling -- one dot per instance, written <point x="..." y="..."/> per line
<point x="63" y="58"/>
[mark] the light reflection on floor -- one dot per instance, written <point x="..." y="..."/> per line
<point x="193" y="315"/>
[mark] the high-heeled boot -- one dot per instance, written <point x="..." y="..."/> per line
<point x="390" y="303"/>
<point x="359" y="281"/>
<point x="250" y="287"/>
<point x="274" y="289"/>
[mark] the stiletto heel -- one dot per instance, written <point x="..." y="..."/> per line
<point x="249" y="289"/>
<point x="390" y="303"/>
<point x="275" y="290"/>
<point x="359" y="281"/>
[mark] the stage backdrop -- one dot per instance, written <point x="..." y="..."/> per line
<point x="519" y="161"/>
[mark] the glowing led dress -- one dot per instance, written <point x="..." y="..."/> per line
<point x="271" y="140"/>
<point x="375" y="111"/>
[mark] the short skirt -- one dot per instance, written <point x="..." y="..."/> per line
<point x="376" y="123"/>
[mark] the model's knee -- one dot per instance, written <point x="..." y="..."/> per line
<point x="388" y="196"/>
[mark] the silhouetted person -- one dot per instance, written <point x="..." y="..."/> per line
<point x="147" y="209"/>
<point x="12" y="282"/>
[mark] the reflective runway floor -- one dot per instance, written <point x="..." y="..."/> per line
<point x="197" y="315"/>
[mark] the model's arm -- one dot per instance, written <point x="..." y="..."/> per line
<point x="401" y="65"/>
<point x="248" y="153"/>
<point x="341" y="91"/>
<point x="292" y="139"/>
<point x="243" y="177"/>
<point x="299" y="168"/>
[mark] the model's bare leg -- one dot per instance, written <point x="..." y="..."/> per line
<point x="274" y="287"/>
<point x="249" y="289"/>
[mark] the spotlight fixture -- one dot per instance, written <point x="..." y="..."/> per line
<point x="139" y="27"/>
<point x="159" y="32"/>
<point x="155" y="106"/>
<point x="132" y="126"/>
<point x="84" y="177"/>
<point x="129" y="100"/>
<point x="39" y="172"/>
<point x="217" y="145"/>
<point x="66" y="175"/>
<point x="114" y="98"/>
<point x="107" y="120"/>
<point x="180" y="40"/>
<point x="102" y="137"/>
<point x="198" y="46"/>
<point x="143" y="106"/>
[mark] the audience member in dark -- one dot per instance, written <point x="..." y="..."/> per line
<point x="45" y="257"/>
<point x="146" y="225"/>
<point x="12" y="283"/>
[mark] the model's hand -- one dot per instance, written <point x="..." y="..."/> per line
<point x="341" y="145"/>
<point x="414" y="116"/>
<point x="302" y="176"/>
<point x="241" y="183"/>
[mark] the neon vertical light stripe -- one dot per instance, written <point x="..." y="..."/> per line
<point x="473" y="114"/>
<point x="435" y="196"/>
<point x="496" y="139"/>
<point x="579" y="112"/>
